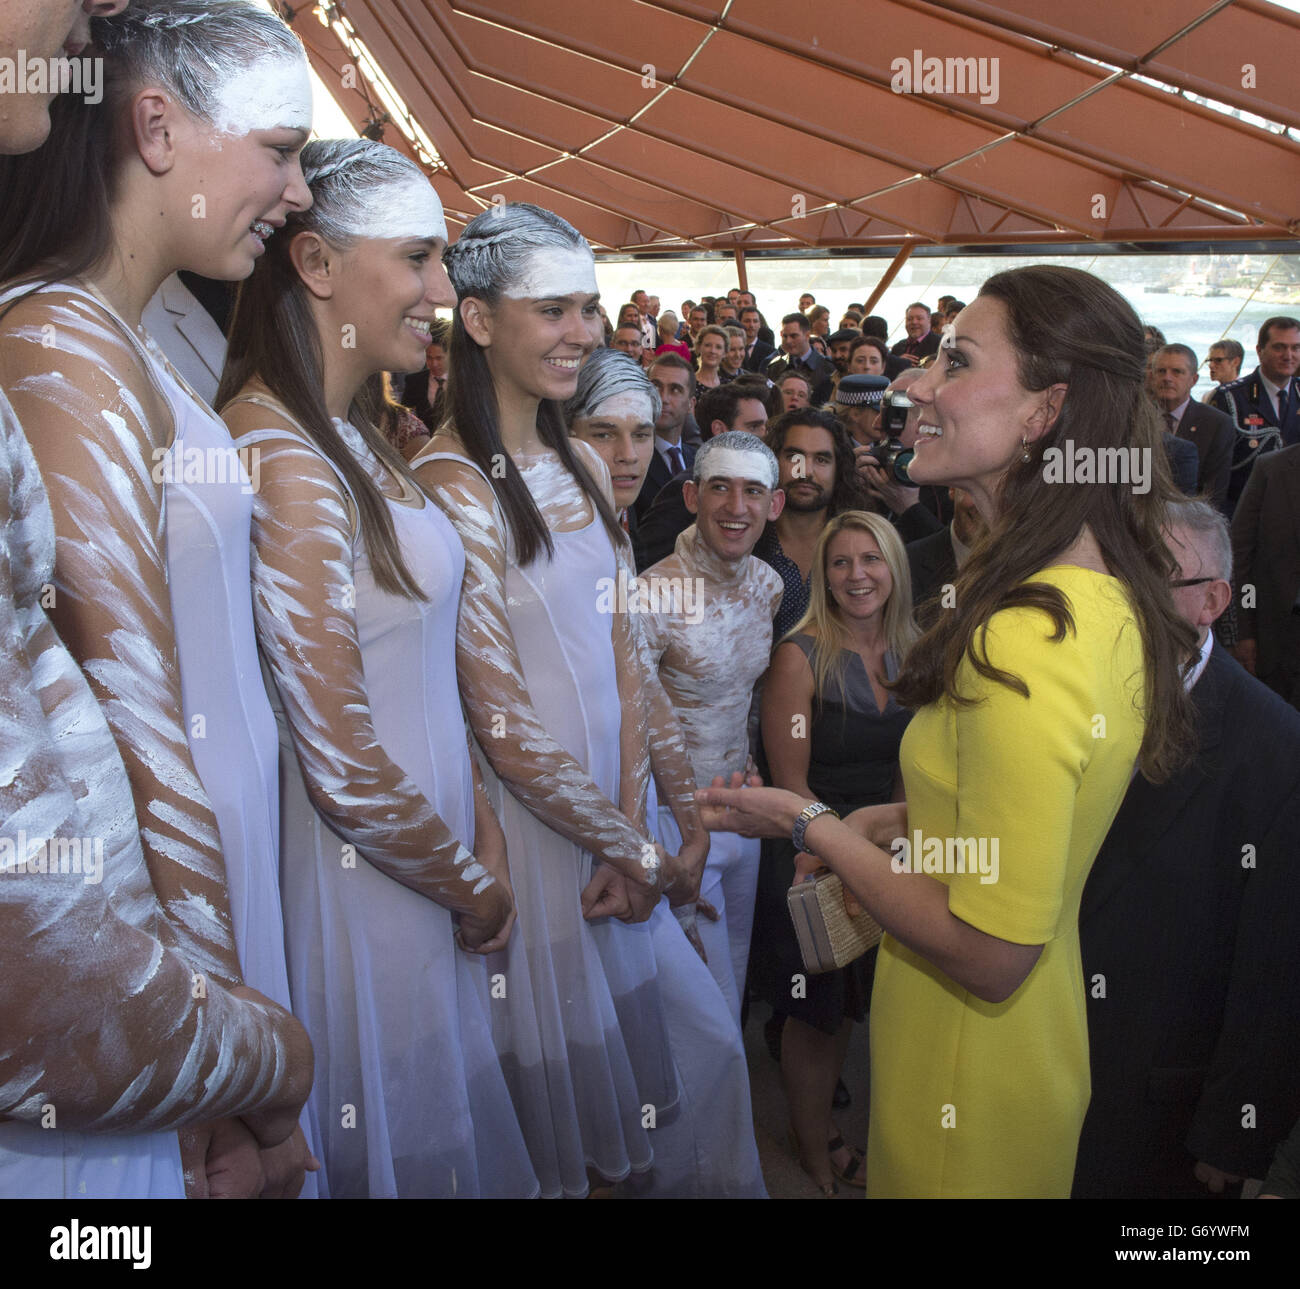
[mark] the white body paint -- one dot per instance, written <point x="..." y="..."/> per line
<point x="269" y="94"/>
<point x="728" y="463"/>
<point x="406" y="210"/>
<point x="552" y="272"/>
<point x="629" y="404"/>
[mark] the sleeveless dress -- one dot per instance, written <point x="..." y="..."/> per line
<point x="207" y="510"/>
<point x="617" y="1044"/>
<point x="409" y="1098"/>
<point x="854" y="748"/>
<point x="52" y="1163"/>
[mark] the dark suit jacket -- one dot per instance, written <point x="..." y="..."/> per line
<point x="1200" y="955"/>
<point x="1266" y="555"/>
<point x="1214" y="435"/>
<point x="759" y="356"/>
<point x="1183" y="462"/>
<point x="1246" y="403"/>
<point x="667" y="517"/>
<point x="821" y="370"/>
<point x="925" y="348"/>
<point x="933" y="563"/>
<point x="657" y="475"/>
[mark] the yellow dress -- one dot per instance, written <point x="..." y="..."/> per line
<point x="970" y="1098"/>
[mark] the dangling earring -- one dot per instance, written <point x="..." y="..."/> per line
<point x="1024" y="450"/>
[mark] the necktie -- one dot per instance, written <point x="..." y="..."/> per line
<point x="1170" y="424"/>
<point x="675" y="459"/>
<point x="1282" y="406"/>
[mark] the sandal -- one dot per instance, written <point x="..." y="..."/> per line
<point x="854" y="1173"/>
<point x="828" y="1189"/>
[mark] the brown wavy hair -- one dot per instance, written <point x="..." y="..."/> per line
<point x="1070" y="327"/>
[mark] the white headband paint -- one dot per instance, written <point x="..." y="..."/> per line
<point x="732" y="463"/>
<point x="554" y="271"/>
<point x="269" y="94"/>
<point x="405" y="210"/>
<point x="628" y="404"/>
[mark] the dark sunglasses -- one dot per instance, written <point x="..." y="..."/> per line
<point x="1192" y="581"/>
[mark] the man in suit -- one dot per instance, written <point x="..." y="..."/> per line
<point x="757" y="350"/>
<point x="921" y="341"/>
<point x="746" y="301"/>
<point x="672" y="376"/>
<point x="188" y="334"/>
<point x="1188" y="931"/>
<point x="799" y="355"/>
<point x="1264" y="406"/>
<point x="1266" y="549"/>
<point x="1183" y="463"/>
<point x="1171" y="375"/>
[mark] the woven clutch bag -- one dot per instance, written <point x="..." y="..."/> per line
<point x="828" y="937"/>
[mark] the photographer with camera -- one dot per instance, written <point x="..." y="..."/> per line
<point x="882" y="467"/>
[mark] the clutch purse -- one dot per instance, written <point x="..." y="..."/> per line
<point x="828" y="937"/>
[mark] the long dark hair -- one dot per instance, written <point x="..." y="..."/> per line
<point x="486" y="258"/>
<point x="55" y="220"/>
<point x="1095" y="346"/>
<point x="274" y="338"/>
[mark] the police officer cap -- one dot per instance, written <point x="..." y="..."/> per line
<point x="856" y="390"/>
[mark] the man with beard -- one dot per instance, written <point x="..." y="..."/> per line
<point x="819" y="480"/>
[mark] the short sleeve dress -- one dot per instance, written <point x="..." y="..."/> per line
<point x="978" y="1099"/>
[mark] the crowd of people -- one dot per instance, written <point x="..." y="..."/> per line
<point x="414" y="727"/>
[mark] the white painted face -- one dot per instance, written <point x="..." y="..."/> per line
<point x="729" y="463"/>
<point x="269" y="94"/>
<point x="403" y="211"/>
<point x="629" y="404"/>
<point x="552" y="272"/>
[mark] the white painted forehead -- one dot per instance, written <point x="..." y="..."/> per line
<point x="272" y="93"/>
<point x="553" y="271"/>
<point x="407" y="209"/>
<point x="734" y="463"/>
<point x="629" y="403"/>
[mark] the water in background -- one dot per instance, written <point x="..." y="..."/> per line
<point x="1191" y="320"/>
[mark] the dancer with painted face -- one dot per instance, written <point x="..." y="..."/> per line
<point x="388" y="837"/>
<point x="199" y="99"/>
<point x="605" y="1023"/>
<point x="709" y="631"/>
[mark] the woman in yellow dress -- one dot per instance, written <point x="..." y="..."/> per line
<point x="1054" y="675"/>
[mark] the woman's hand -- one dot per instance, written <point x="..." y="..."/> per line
<point x="490" y="924"/>
<point x="880" y="825"/>
<point x="286" y="1167"/>
<point x="749" y="811"/>
<point x="221" y="1160"/>
<point x="606" y="895"/>
<point x="806" y="865"/>
<point x="692" y="857"/>
<point x="490" y="851"/>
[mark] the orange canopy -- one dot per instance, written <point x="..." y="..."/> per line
<point x="690" y="125"/>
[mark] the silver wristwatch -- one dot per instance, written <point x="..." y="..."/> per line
<point x="806" y="816"/>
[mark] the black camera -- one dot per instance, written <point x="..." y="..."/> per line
<point x="891" y="456"/>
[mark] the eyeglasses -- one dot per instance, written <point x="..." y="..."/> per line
<point x="1192" y="581"/>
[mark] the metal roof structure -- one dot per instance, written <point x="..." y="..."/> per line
<point x="682" y="126"/>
